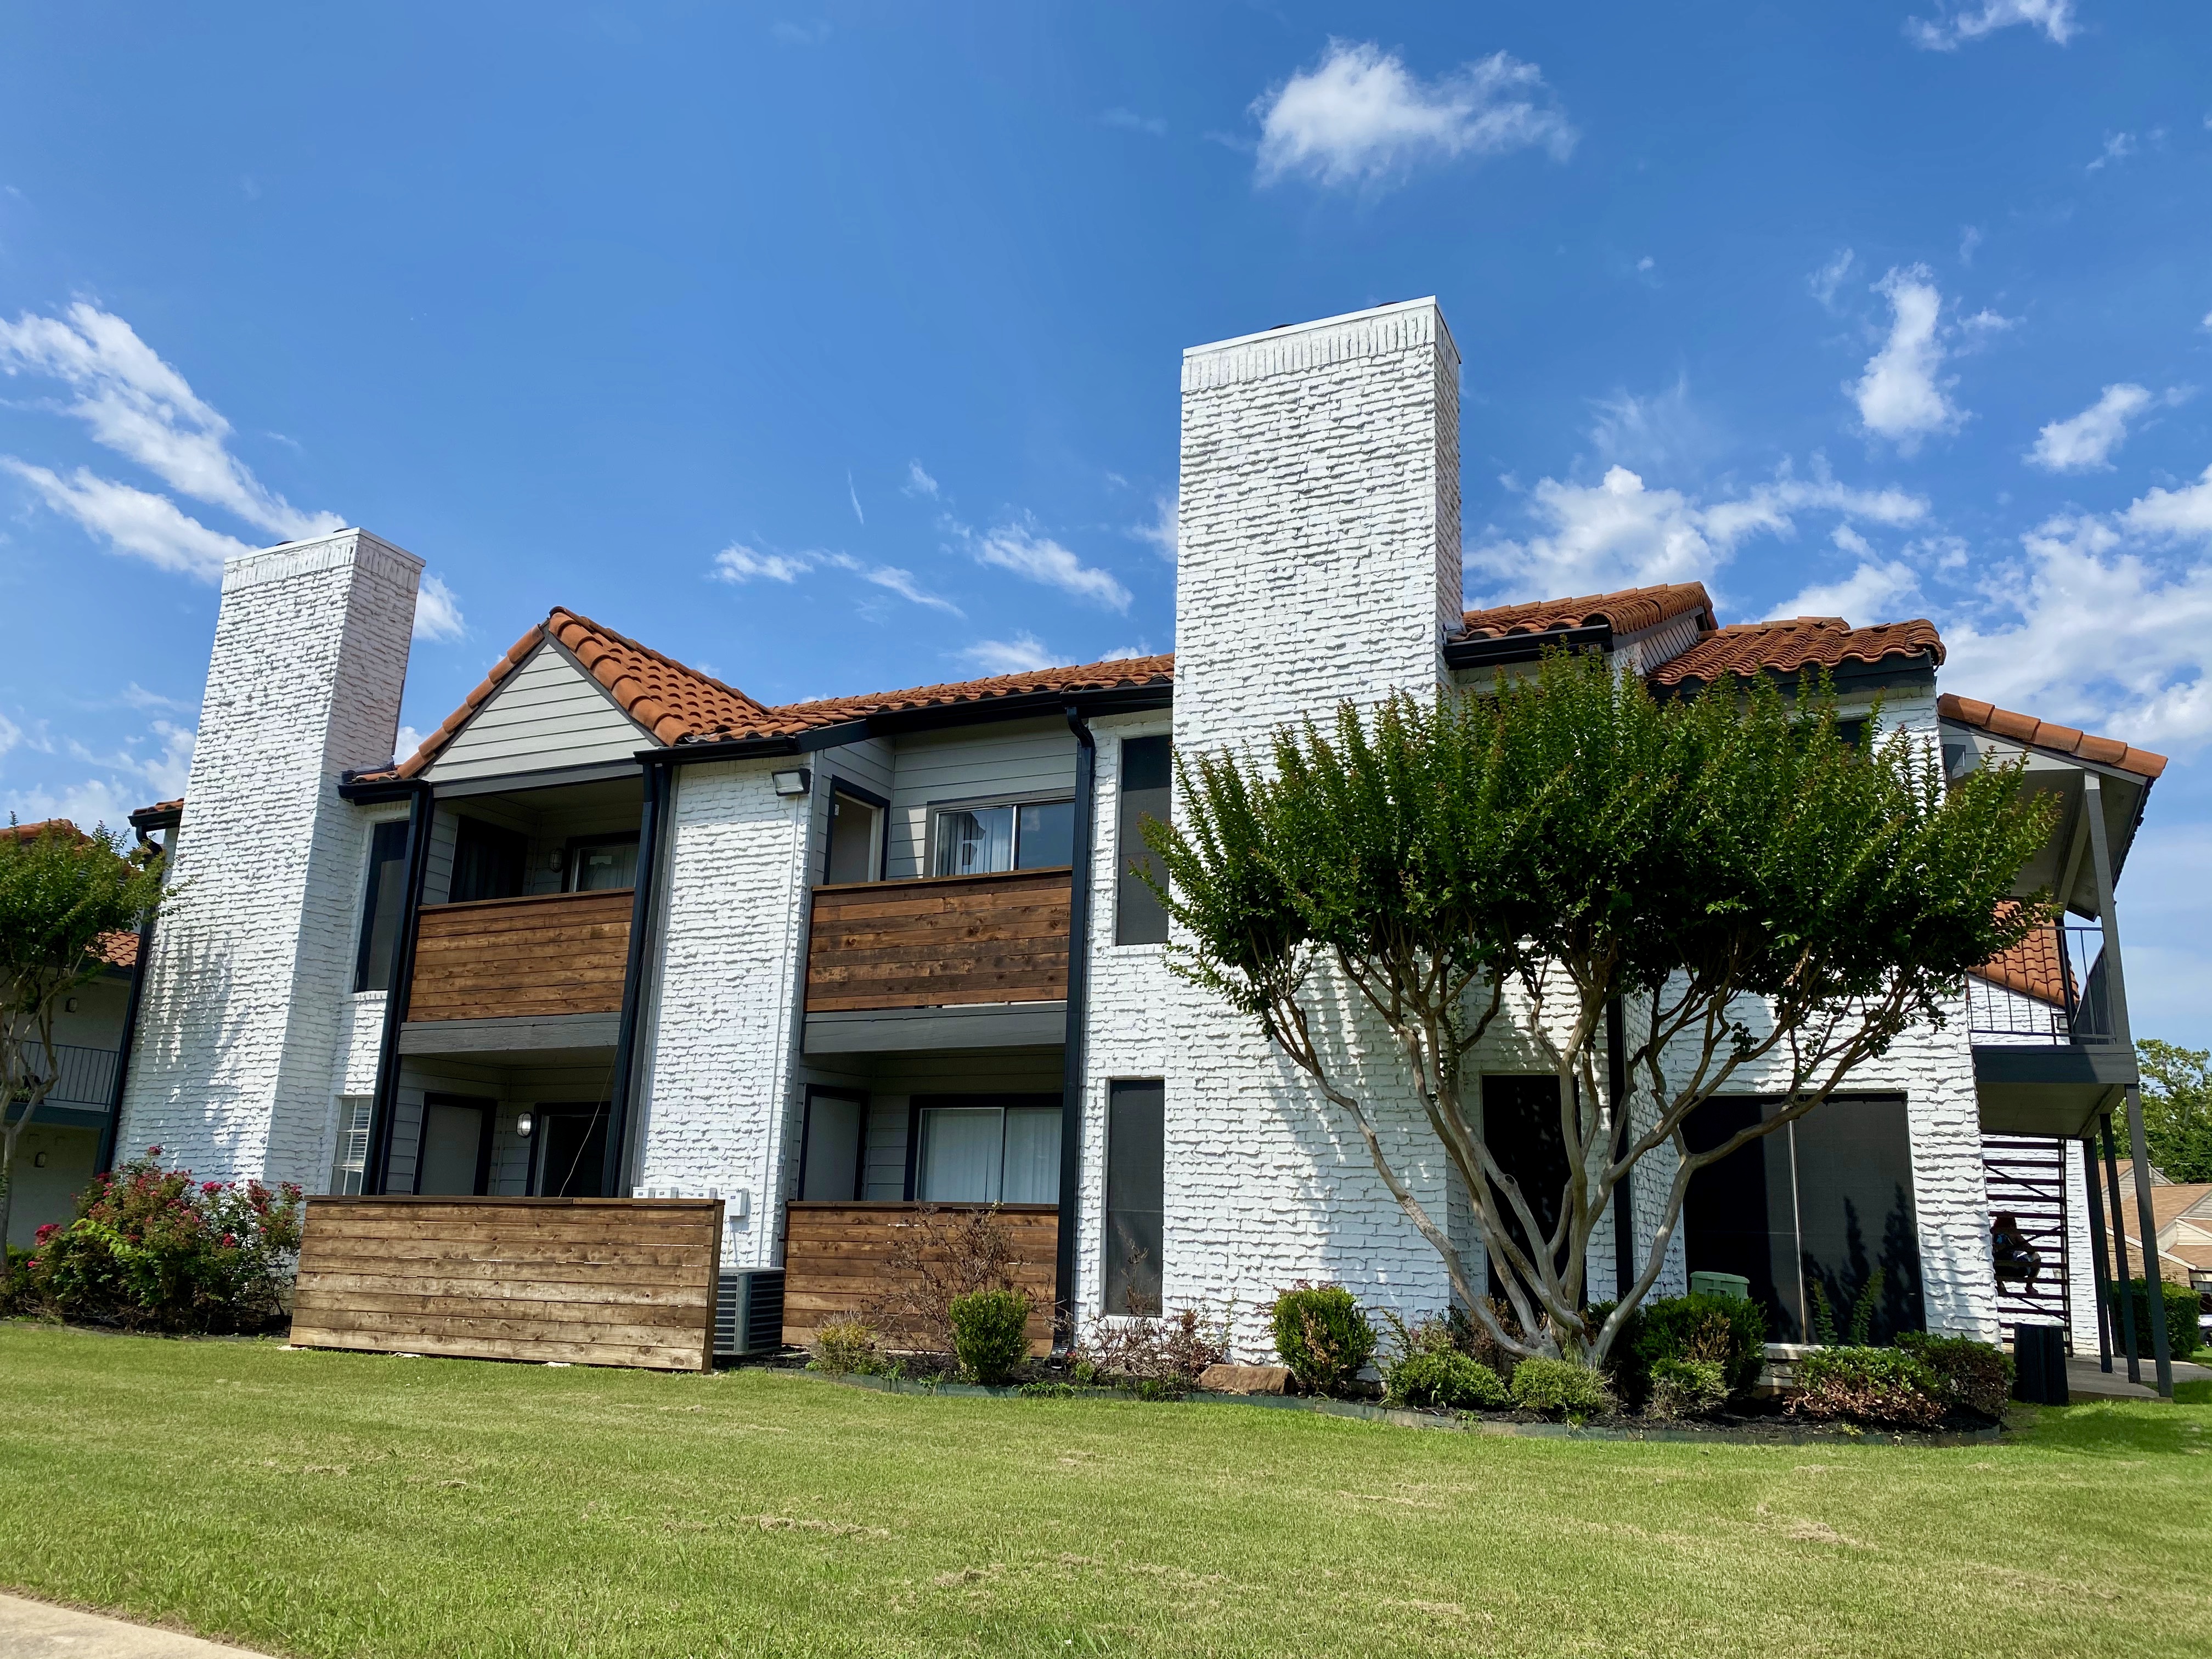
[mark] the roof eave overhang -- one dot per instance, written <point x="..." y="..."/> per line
<point x="1493" y="650"/>
<point x="157" y="818"/>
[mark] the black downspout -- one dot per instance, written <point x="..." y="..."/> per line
<point x="104" y="1160"/>
<point x="2097" y="1249"/>
<point x="614" y="1177"/>
<point x="1624" y="1195"/>
<point x="1072" y="1079"/>
<point x="376" y="1163"/>
<point x="2126" y="1294"/>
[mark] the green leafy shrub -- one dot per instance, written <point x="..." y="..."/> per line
<point x="1687" y="1388"/>
<point x="1559" y="1388"/>
<point x="849" y="1346"/>
<point x="1888" y="1386"/>
<point x="990" y="1333"/>
<point x="2183" y="1334"/>
<point x="150" y="1248"/>
<point x="1717" y="1330"/>
<point x="17" y="1293"/>
<point x="1429" y="1366"/>
<point x="1977" y="1376"/>
<point x="1322" y="1336"/>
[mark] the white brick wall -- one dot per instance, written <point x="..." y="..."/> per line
<point x="719" y="1104"/>
<point x="240" y="1035"/>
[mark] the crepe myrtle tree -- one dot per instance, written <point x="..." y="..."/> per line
<point x="1773" y="903"/>
<point x="62" y="893"/>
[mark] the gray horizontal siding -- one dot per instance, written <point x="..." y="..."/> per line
<point x="1026" y="759"/>
<point x="547" y="713"/>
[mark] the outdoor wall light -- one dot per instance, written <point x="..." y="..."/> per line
<point x="794" y="783"/>
<point x="38" y="1160"/>
<point x="523" y="1123"/>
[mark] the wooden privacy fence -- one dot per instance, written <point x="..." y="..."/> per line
<point x="596" y="1281"/>
<point x="559" y="953"/>
<point x="940" y="941"/>
<point x="840" y="1259"/>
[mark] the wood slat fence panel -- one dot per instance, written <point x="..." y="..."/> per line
<point x="557" y="953"/>
<point x="592" y="1281"/>
<point x="839" y="1259"/>
<point x="939" y="941"/>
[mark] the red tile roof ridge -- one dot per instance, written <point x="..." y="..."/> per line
<point x="1626" y="612"/>
<point x="2043" y="734"/>
<point x="1793" y="644"/>
<point x="1079" y="676"/>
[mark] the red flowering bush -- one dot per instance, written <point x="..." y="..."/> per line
<point x="151" y="1249"/>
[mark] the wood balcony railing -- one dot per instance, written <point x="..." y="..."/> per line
<point x="560" y="953"/>
<point x="942" y="940"/>
<point x="845" y="1260"/>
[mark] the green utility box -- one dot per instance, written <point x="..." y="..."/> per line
<point x="1735" y="1286"/>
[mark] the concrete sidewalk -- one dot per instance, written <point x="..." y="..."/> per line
<point x="38" y="1630"/>
<point x="2087" y="1380"/>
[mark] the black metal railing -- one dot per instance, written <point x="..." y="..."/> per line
<point x="83" y="1078"/>
<point x="2050" y="989"/>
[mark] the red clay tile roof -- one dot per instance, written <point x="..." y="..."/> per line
<point x="681" y="705"/>
<point x="2026" y="728"/>
<point x="669" y="699"/>
<point x="32" y="831"/>
<point x="118" y="950"/>
<point x="2034" y="968"/>
<point x="796" y="717"/>
<point x="1785" y="647"/>
<point x="1625" y="612"/>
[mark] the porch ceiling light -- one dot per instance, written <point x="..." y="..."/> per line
<point x="794" y="783"/>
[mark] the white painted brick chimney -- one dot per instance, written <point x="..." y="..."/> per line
<point x="1319" y="561"/>
<point x="252" y="965"/>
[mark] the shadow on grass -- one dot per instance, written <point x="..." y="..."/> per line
<point x="2128" y="1428"/>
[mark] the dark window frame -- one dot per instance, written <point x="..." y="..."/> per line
<point x="858" y="1097"/>
<point x="917" y="1104"/>
<point x="373" y="892"/>
<point x="1013" y="803"/>
<point x="488" y="1110"/>
<point x="468" y="827"/>
<point x="1139" y="917"/>
<point x="576" y="844"/>
<point x="1117" y="1090"/>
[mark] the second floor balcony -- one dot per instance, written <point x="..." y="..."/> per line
<point x="950" y="943"/>
<point x="543" y="957"/>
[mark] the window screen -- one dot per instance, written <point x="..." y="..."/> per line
<point x="382" y="908"/>
<point x="1136" y="1182"/>
<point x="1146" y="777"/>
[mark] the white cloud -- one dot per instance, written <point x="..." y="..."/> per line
<point x="406" y="743"/>
<point x="437" y="612"/>
<point x="140" y="407"/>
<point x="738" y="563"/>
<point x="1359" y="117"/>
<point x="918" y="482"/>
<point x="137" y="775"/>
<point x="147" y="527"/>
<point x="1824" y="283"/>
<point x="2118" y="146"/>
<point x="1020" y="548"/>
<point x="1876" y="591"/>
<point x="2094" y="630"/>
<point x="10" y="734"/>
<point x="1161" y="533"/>
<point x="1023" y="653"/>
<point x="902" y="583"/>
<point x="1126" y="653"/>
<point x="1617" y="534"/>
<point x="1955" y="26"/>
<point x="1129" y="121"/>
<point x="1970" y="239"/>
<point x="2085" y="442"/>
<point x="1898" y="396"/>
<point x="1660" y="430"/>
<point x="854" y="496"/>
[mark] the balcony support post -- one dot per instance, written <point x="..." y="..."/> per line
<point x="615" y="1175"/>
<point x="2098" y="1268"/>
<point x="1072" y="1081"/>
<point x="2100" y="857"/>
<point x="376" y="1164"/>
<point x="2120" y="1254"/>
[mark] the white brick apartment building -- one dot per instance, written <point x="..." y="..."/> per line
<point x="619" y="928"/>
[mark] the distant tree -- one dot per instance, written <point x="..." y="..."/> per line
<point x="2177" y="1097"/>
<point x="62" y="894"/>
<point x="1772" y="900"/>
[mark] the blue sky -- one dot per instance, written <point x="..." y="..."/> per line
<point x="832" y="348"/>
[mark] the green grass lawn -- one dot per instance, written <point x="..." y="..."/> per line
<point x="348" y="1505"/>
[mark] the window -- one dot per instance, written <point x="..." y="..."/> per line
<point x="855" y="839"/>
<point x="599" y="863"/>
<point x="1521" y="1123"/>
<point x="975" y="1150"/>
<point x="352" y="1155"/>
<point x="488" y="861"/>
<point x="1825" y="1201"/>
<point x="381" y="907"/>
<point x="978" y="841"/>
<point x="1136" y="1184"/>
<point x="1140" y="918"/>
<point x="829" y="1150"/>
<point x="571" y="1150"/>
